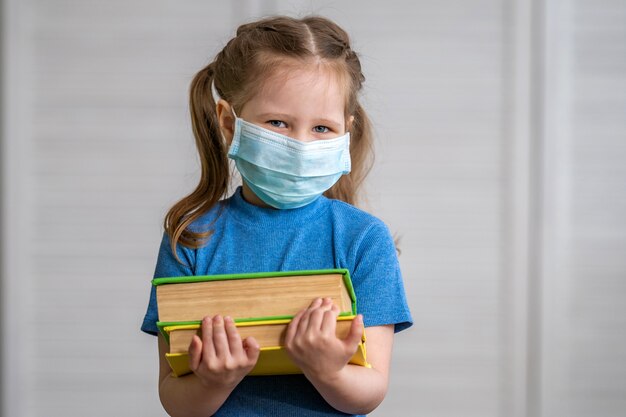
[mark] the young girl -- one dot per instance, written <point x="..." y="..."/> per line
<point x="281" y="100"/>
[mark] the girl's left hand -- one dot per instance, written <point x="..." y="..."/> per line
<point x="312" y="344"/>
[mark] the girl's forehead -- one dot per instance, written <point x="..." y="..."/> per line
<point x="320" y="79"/>
<point x="318" y="85"/>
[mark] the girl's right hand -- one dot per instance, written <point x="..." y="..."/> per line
<point x="220" y="357"/>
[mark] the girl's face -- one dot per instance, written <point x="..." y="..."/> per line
<point x="304" y="104"/>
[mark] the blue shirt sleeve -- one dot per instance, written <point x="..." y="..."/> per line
<point x="167" y="266"/>
<point x="377" y="280"/>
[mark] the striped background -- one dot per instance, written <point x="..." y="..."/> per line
<point x="501" y="166"/>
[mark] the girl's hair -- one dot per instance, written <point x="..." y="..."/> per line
<point x="260" y="50"/>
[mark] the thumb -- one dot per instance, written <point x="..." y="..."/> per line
<point x="251" y="346"/>
<point x="195" y="352"/>
<point x="354" y="336"/>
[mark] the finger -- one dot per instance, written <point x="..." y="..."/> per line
<point x="293" y="327"/>
<point x="354" y="337"/>
<point x="303" y="325"/>
<point x="315" y="319"/>
<point x="327" y="304"/>
<point x="252" y="349"/>
<point x="329" y="322"/>
<point x="316" y="302"/>
<point x="232" y="334"/>
<point x="195" y="352"/>
<point x="219" y="337"/>
<point x="315" y="322"/>
<point x="208" y="350"/>
<point x="304" y="320"/>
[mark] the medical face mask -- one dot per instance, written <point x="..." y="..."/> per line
<point x="284" y="172"/>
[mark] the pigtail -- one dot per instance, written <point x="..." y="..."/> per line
<point x="214" y="178"/>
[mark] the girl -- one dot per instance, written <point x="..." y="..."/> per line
<point x="281" y="100"/>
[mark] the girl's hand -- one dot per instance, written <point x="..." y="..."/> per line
<point x="220" y="357"/>
<point x="312" y="344"/>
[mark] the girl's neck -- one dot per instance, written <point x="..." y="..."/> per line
<point x="252" y="198"/>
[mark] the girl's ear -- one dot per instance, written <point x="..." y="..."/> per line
<point x="349" y="123"/>
<point x="226" y="120"/>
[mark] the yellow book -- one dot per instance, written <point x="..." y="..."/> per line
<point x="267" y="333"/>
<point x="273" y="358"/>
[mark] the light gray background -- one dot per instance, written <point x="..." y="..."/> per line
<point x="501" y="150"/>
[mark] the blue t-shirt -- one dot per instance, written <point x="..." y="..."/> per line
<point x="324" y="234"/>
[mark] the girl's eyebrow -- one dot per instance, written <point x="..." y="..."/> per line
<point x="328" y="122"/>
<point x="279" y="115"/>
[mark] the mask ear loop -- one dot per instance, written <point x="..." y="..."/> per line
<point x="214" y="93"/>
<point x="217" y="97"/>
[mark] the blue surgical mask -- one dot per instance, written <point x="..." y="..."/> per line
<point x="284" y="172"/>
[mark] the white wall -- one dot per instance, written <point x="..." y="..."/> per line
<point x="500" y="164"/>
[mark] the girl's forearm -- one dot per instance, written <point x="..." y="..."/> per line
<point x="354" y="390"/>
<point x="186" y="396"/>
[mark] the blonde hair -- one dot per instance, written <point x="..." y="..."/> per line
<point x="238" y="73"/>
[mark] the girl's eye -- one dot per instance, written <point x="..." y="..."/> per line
<point x="277" y="123"/>
<point x="321" y="129"/>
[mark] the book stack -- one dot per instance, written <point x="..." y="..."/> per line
<point x="261" y="304"/>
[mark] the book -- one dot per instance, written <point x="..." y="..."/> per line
<point x="251" y="296"/>
<point x="261" y="304"/>
<point x="267" y="333"/>
<point x="273" y="358"/>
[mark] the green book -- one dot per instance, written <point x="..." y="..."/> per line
<point x="251" y="296"/>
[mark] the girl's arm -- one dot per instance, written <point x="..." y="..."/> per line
<point x="219" y="361"/>
<point x="312" y="344"/>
